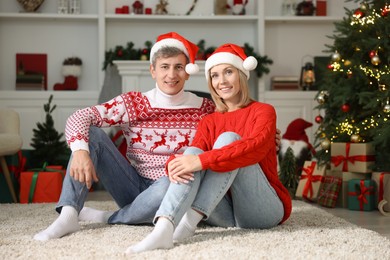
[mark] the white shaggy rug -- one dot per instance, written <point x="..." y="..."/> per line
<point x="310" y="233"/>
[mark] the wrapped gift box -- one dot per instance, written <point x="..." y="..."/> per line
<point x="342" y="200"/>
<point x="310" y="181"/>
<point x="41" y="185"/>
<point x="361" y="195"/>
<point x="16" y="164"/>
<point x="352" y="157"/>
<point x="329" y="191"/>
<point x="382" y="180"/>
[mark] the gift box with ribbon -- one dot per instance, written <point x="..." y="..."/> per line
<point x="352" y="157"/>
<point x="382" y="180"/>
<point x="342" y="201"/>
<point x="361" y="195"/>
<point x="40" y="185"/>
<point x="310" y="181"/>
<point x="16" y="164"/>
<point x="329" y="191"/>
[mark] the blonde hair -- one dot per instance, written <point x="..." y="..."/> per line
<point x="245" y="98"/>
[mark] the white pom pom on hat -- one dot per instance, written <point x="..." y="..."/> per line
<point x="173" y="39"/>
<point x="233" y="54"/>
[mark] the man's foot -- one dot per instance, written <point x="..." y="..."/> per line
<point x="66" y="223"/>
<point x="94" y="215"/>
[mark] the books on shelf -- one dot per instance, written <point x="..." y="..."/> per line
<point x="31" y="71"/>
<point x="285" y="83"/>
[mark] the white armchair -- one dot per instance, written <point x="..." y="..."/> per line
<point x="10" y="142"/>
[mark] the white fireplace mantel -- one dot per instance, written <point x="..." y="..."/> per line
<point x="136" y="76"/>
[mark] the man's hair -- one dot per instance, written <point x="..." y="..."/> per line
<point x="167" y="52"/>
<point x="245" y="98"/>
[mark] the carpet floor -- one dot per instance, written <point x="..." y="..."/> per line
<point x="310" y="233"/>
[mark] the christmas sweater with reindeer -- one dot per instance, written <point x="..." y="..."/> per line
<point x="154" y="124"/>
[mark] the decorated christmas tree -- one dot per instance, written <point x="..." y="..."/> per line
<point x="354" y="96"/>
<point x="49" y="148"/>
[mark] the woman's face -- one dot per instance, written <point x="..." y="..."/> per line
<point x="225" y="79"/>
<point x="170" y="74"/>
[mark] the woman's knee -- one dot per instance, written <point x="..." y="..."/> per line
<point x="193" y="151"/>
<point x="226" y="138"/>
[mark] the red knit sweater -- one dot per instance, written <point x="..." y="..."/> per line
<point x="256" y="124"/>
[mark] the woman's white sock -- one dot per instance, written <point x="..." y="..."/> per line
<point x="160" y="238"/>
<point x="187" y="225"/>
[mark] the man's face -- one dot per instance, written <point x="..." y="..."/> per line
<point x="170" y="74"/>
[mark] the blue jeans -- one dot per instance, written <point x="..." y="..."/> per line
<point x="250" y="203"/>
<point x="138" y="197"/>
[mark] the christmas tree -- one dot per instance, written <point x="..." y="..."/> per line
<point x="288" y="172"/>
<point x="49" y="148"/>
<point x="354" y="96"/>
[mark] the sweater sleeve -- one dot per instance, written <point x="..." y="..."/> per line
<point x="257" y="142"/>
<point x="110" y="113"/>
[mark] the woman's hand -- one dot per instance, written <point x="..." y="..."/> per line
<point x="82" y="169"/>
<point x="182" y="168"/>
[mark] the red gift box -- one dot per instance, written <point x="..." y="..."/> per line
<point x="41" y="185"/>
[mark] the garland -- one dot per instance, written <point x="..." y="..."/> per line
<point x="128" y="52"/>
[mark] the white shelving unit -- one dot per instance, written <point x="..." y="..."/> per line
<point x="285" y="39"/>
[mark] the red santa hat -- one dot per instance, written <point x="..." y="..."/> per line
<point x="296" y="130"/>
<point x="173" y="39"/>
<point x="231" y="54"/>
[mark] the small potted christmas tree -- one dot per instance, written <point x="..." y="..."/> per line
<point x="47" y="143"/>
<point x="288" y="172"/>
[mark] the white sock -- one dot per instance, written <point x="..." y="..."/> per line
<point x="66" y="223"/>
<point x="94" y="215"/>
<point x="160" y="238"/>
<point x="187" y="225"/>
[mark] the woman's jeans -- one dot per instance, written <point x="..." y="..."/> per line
<point x="239" y="198"/>
<point x="138" y="197"/>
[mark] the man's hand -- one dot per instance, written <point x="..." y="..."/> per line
<point x="278" y="139"/>
<point x="82" y="169"/>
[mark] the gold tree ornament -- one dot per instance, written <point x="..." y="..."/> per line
<point x="355" y="138"/>
<point x="325" y="144"/>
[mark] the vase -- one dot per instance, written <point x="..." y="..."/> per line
<point x="30" y="5"/>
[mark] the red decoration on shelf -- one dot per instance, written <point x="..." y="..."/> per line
<point x="138" y="7"/>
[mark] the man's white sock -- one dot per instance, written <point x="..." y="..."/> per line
<point x="66" y="223"/>
<point x="187" y="225"/>
<point x="94" y="215"/>
<point x="160" y="238"/>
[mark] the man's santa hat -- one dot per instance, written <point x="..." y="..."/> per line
<point x="231" y="54"/>
<point x="173" y="39"/>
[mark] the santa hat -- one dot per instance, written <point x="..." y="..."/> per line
<point x="231" y="54"/>
<point x="296" y="130"/>
<point x="173" y="39"/>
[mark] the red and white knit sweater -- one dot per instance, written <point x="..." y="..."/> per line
<point x="154" y="124"/>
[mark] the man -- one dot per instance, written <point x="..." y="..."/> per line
<point x="156" y="124"/>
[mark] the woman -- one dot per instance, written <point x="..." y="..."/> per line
<point x="228" y="177"/>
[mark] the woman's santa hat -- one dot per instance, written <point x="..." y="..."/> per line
<point x="173" y="39"/>
<point x="231" y="54"/>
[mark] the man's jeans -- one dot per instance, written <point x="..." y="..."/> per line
<point x="138" y="197"/>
